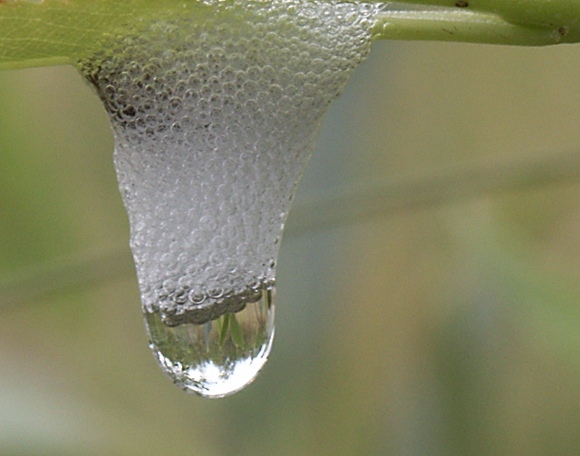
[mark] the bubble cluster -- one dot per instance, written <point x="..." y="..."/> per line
<point x="214" y="123"/>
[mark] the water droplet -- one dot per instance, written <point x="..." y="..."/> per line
<point x="218" y="357"/>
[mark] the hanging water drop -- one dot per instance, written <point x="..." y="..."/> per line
<point x="221" y="356"/>
<point x="215" y="115"/>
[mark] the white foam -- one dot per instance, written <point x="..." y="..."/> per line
<point x="214" y="123"/>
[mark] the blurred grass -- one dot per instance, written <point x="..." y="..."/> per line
<point x="449" y="327"/>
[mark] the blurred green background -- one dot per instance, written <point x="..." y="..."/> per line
<point x="428" y="281"/>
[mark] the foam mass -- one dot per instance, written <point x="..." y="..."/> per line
<point x="214" y="122"/>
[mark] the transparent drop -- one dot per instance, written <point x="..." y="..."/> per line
<point x="221" y="356"/>
<point x="215" y="112"/>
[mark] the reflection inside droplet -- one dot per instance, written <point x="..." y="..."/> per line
<point x="218" y="357"/>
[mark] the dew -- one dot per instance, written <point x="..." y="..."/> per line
<point x="214" y="123"/>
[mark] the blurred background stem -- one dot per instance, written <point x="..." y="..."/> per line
<point x="344" y="206"/>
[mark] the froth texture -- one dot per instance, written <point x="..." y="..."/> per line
<point x="214" y="121"/>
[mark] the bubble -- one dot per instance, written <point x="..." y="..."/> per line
<point x="214" y="123"/>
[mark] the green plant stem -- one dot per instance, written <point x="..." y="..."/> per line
<point x="529" y="13"/>
<point x="60" y="31"/>
<point x="465" y="26"/>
